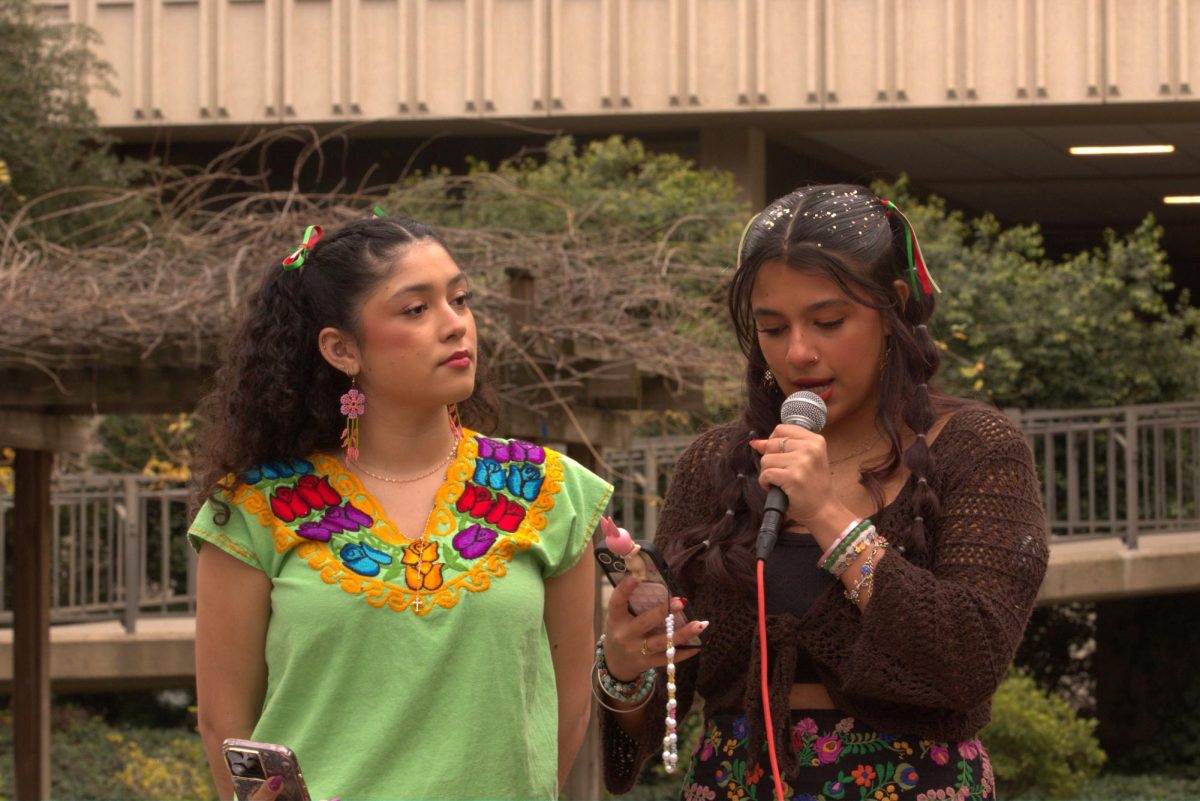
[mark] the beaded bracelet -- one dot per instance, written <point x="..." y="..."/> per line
<point x="629" y="692"/>
<point x="840" y="538"/>
<point x="851" y="539"/>
<point x="868" y="539"/>
<point x="867" y="572"/>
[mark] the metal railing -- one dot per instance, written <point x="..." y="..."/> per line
<point x="1118" y="471"/>
<point x="120" y="548"/>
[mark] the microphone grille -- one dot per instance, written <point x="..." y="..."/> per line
<point x="804" y="407"/>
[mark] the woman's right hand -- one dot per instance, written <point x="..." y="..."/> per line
<point x="636" y="643"/>
<point x="270" y="789"/>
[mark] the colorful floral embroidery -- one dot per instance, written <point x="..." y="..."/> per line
<point x="844" y="761"/>
<point x="421" y="571"/>
<point x="272" y="471"/>
<point x="474" y="541"/>
<point x="363" y="559"/>
<point x="511" y="451"/>
<point x="319" y="510"/>
<point x="498" y="510"/>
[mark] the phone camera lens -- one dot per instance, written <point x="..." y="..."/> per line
<point x="605" y="559"/>
<point x="619" y="564"/>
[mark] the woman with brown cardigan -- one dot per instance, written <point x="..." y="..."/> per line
<point x="914" y="544"/>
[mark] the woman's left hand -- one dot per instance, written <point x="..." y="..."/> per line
<point x="794" y="460"/>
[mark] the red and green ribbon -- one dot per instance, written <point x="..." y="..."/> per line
<point x="295" y="259"/>
<point x="918" y="271"/>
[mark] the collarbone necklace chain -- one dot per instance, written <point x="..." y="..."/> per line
<point x="410" y="480"/>
<point x="870" y="444"/>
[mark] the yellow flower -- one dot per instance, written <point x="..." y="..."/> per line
<point x="5" y="175"/>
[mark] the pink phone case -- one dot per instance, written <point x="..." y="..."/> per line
<point x="252" y="763"/>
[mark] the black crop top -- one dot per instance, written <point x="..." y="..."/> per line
<point x="793" y="584"/>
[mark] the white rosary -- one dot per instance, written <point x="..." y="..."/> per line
<point x="670" y="753"/>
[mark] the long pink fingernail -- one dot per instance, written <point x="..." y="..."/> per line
<point x="275" y="782"/>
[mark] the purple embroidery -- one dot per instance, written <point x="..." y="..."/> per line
<point x="474" y="542"/>
<point x="346" y="517"/>
<point x="493" y="449"/>
<point x="527" y="452"/>
<point x="514" y="451"/>
<point x="315" y="531"/>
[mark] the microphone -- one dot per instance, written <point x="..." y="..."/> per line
<point x="807" y="410"/>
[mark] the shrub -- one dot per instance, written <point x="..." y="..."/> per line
<point x="89" y="759"/>
<point x="1039" y="746"/>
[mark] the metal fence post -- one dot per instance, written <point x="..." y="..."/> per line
<point x="133" y="554"/>
<point x="1131" y="478"/>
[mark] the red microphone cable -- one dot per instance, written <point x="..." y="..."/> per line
<point x="766" y="697"/>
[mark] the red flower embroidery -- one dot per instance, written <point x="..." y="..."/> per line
<point x="502" y="513"/>
<point x="506" y="515"/>
<point x="287" y="505"/>
<point x="475" y="500"/>
<point x="317" y="492"/>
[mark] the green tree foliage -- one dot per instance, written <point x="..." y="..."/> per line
<point x="1020" y="329"/>
<point x="1040" y="748"/>
<point x="56" y="156"/>
<point x="613" y="185"/>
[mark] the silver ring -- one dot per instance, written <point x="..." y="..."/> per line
<point x="645" y="648"/>
<point x="783" y="444"/>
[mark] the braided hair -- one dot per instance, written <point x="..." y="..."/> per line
<point x="276" y="397"/>
<point x="845" y="233"/>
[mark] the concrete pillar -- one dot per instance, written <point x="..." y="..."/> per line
<point x="742" y="150"/>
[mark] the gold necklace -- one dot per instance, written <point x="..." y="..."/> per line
<point x="436" y="467"/>
<point x="858" y="452"/>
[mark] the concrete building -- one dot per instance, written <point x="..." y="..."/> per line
<point x="977" y="100"/>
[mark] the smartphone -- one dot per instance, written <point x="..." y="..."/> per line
<point x="252" y="763"/>
<point x="658" y="585"/>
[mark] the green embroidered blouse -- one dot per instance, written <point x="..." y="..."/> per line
<point x="418" y="669"/>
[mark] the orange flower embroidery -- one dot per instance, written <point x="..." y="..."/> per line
<point x="420" y="569"/>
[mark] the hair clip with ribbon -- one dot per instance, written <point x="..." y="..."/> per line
<point x="917" y="268"/>
<point x="295" y="259"/>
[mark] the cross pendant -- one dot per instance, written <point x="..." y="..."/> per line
<point x="420" y="603"/>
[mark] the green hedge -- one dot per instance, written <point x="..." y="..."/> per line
<point x="1040" y="747"/>
<point x="89" y="759"/>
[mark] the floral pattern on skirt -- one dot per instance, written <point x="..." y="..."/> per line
<point x="839" y="761"/>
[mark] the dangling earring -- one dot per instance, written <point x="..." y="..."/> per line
<point x="883" y="359"/>
<point x="456" y="426"/>
<point x="768" y="380"/>
<point x="354" y="404"/>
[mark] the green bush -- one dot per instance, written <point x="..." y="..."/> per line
<point x="1040" y="747"/>
<point x="89" y="759"/>
<point x="1149" y="787"/>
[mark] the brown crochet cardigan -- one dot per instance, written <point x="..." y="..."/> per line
<point x="937" y="637"/>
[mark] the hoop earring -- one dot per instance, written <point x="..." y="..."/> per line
<point x="354" y="405"/>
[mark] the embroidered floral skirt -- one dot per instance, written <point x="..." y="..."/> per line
<point x="840" y="760"/>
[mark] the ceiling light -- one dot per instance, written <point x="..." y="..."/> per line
<point x="1179" y="200"/>
<point x="1121" y="150"/>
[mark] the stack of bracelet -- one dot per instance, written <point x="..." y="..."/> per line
<point x="627" y="692"/>
<point x="848" y="547"/>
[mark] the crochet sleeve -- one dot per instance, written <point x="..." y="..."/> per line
<point x="942" y="637"/>
<point x="690" y="502"/>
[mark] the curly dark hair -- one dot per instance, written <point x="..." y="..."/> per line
<point x="276" y="397"/>
<point x="845" y="233"/>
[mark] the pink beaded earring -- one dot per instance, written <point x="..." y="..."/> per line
<point x="456" y="426"/>
<point x="354" y="404"/>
